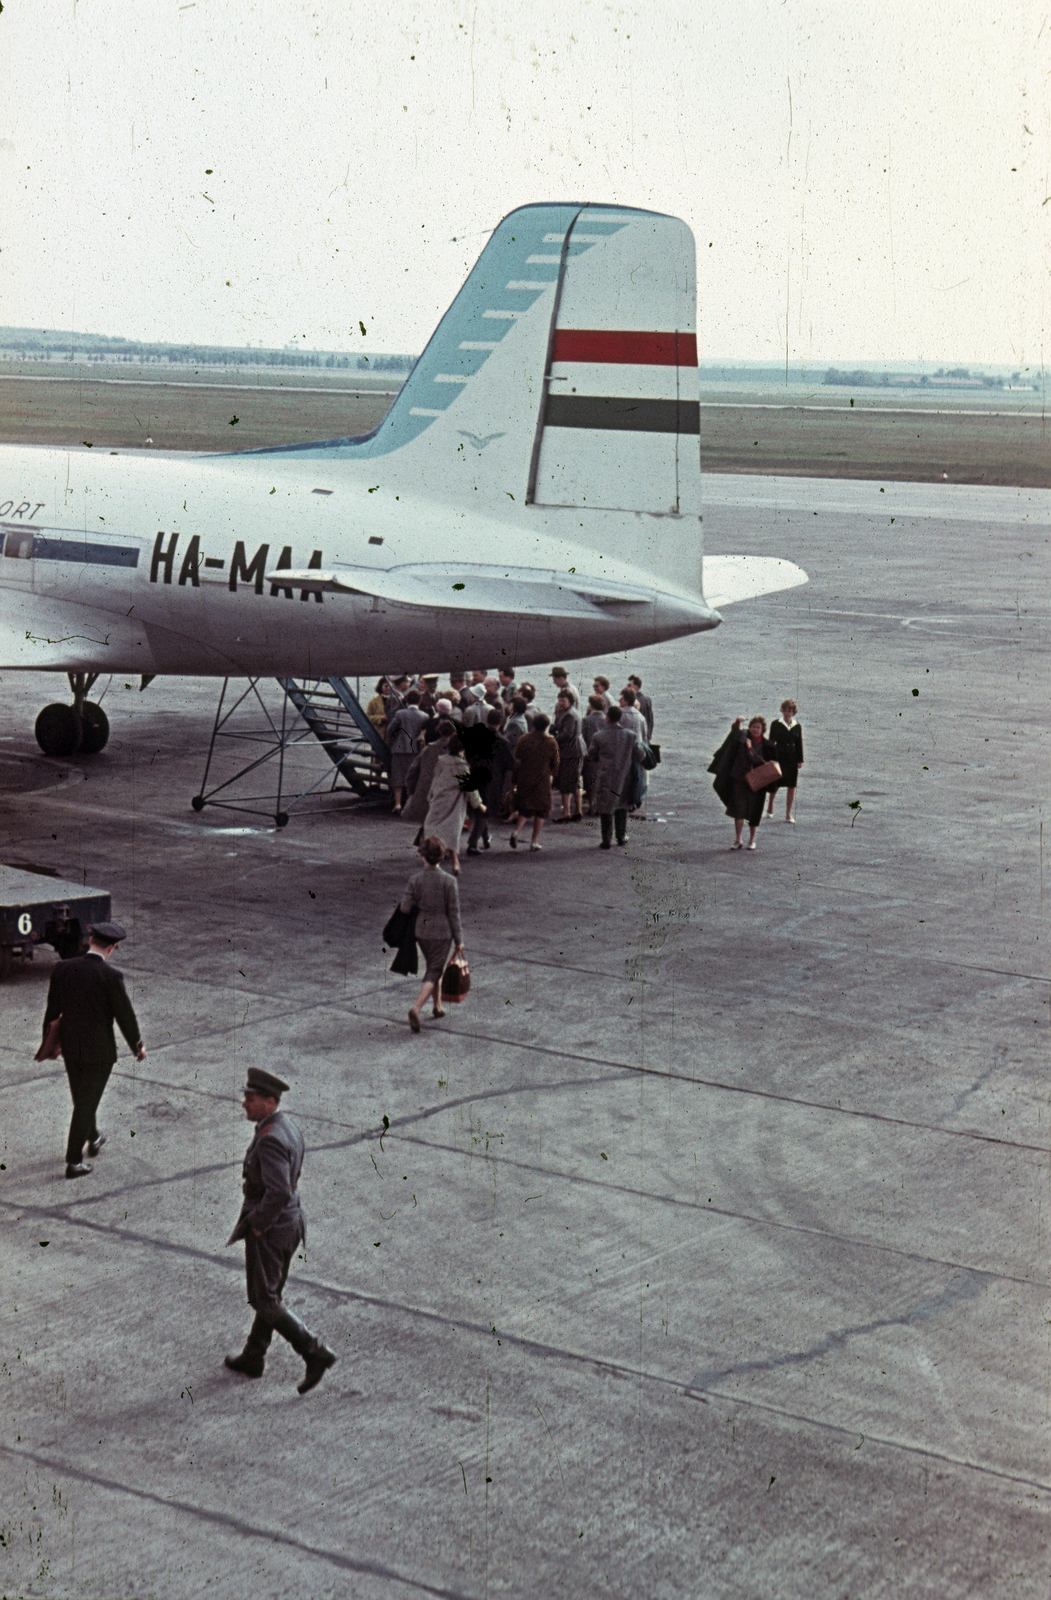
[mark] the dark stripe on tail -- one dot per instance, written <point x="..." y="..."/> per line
<point x="624" y="413"/>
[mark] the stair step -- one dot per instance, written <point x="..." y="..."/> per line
<point x="335" y="717"/>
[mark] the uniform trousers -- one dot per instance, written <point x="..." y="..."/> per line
<point x="87" y="1084"/>
<point x="266" y="1271"/>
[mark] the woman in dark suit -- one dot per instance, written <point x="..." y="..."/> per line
<point x="750" y="750"/>
<point x="536" y="762"/>
<point x="786" y="736"/>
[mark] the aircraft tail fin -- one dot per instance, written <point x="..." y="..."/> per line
<point x="562" y="377"/>
<point x="565" y="372"/>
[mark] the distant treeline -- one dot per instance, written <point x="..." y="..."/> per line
<point x="46" y="344"/>
<point x="944" y="378"/>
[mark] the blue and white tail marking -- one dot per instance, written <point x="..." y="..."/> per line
<point x="564" y="373"/>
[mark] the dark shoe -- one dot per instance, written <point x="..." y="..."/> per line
<point x="77" y="1169"/>
<point x="318" y="1363"/>
<point x="485" y="844"/>
<point x="247" y="1362"/>
<point x="472" y="852"/>
<point x="513" y="842"/>
<point x="605" y="844"/>
<point x="95" y="1145"/>
<point x="625" y="839"/>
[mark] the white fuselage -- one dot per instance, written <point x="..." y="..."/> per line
<point x="156" y="565"/>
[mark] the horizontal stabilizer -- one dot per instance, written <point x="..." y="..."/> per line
<point x="728" y="579"/>
<point x="452" y="586"/>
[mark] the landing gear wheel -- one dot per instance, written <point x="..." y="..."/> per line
<point x="59" y="730"/>
<point x="96" y="728"/>
<point x="282" y="819"/>
<point x="198" y="802"/>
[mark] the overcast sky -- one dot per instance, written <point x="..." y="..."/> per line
<point x="865" y="179"/>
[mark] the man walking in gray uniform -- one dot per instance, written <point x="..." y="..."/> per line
<point x="271" y="1225"/>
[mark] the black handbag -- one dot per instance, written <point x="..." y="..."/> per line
<point x="397" y="926"/>
<point x="651" y="757"/>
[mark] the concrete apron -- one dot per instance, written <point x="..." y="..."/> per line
<point x="703" y="1250"/>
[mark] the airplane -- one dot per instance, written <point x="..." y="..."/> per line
<point x="534" y="492"/>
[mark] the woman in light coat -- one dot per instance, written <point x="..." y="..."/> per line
<point x="447" y="802"/>
<point x="421" y="775"/>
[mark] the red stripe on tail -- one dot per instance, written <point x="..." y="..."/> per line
<point x="626" y="349"/>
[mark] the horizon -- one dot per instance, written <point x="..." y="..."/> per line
<point x="948" y="367"/>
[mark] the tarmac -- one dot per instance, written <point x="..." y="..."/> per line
<point x="791" y="1109"/>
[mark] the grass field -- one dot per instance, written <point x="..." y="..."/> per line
<point x="952" y="446"/>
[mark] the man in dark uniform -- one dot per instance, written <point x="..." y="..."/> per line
<point x="271" y="1225"/>
<point x="85" y="998"/>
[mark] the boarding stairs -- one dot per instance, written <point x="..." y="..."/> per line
<point x="325" y="710"/>
<point x="356" y="750"/>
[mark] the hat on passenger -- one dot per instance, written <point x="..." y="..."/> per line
<point x="260" y="1082"/>
<point x="108" y="932"/>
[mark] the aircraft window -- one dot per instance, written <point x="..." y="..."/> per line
<point x="18" y="542"/>
<point x="45" y="548"/>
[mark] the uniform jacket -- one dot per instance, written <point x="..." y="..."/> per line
<point x="272" y="1164"/>
<point x="89" y="995"/>
<point x="615" y="750"/>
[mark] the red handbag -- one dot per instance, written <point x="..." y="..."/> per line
<point x="456" y="981"/>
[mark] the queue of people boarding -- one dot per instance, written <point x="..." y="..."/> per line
<point x="588" y="756"/>
<point x="479" y="753"/>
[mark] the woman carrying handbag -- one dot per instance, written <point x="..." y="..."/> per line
<point x="436" y="896"/>
<point x="752" y="753"/>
